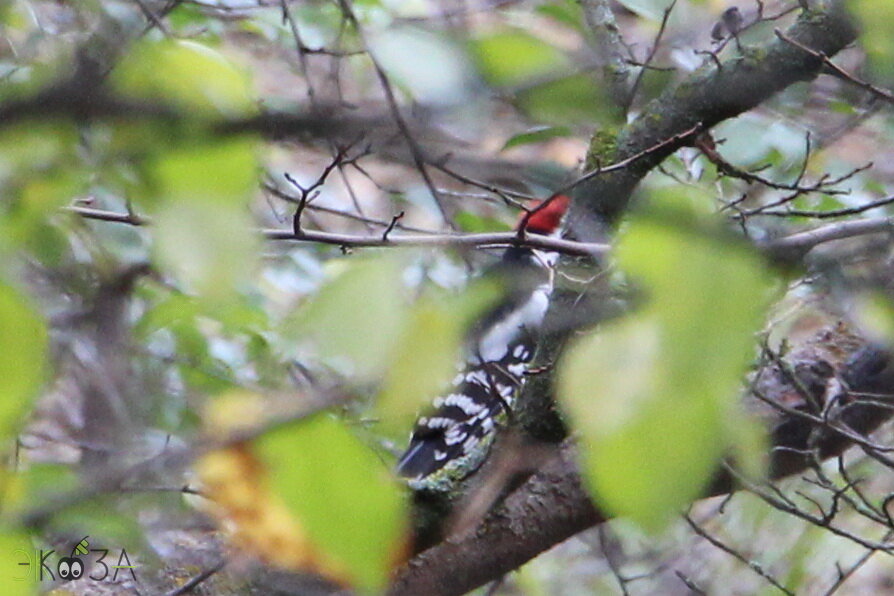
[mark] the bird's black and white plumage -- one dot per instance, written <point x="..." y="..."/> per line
<point x="454" y="439"/>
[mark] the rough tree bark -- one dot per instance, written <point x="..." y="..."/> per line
<point x="551" y="505"/>
<point x="706" y="98"/>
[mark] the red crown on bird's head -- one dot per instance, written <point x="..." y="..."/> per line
<point x="545" y="216"/>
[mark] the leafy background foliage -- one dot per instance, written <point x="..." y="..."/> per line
<point x="178" y="330"/>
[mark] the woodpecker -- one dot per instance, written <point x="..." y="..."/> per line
<point x="453" y="441"/>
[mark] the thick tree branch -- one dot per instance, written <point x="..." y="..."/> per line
<point x="797" y="245"/>
<point x="86" y="97"/>
<point x="609" y="48"/>
<point x="552" y="505"/>
<point x="708" y="97"/>
<point x="549" y="508"/>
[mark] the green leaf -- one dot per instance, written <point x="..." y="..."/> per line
<point x="568" y="99"/>
<point x="19" y="563"/>
<point x="538" y="134"/>
<point x="185" y="74"/>
<point x="36" y="147"/>
<point x="842" y="107"/>
<point x="169" y="311"/>
<point x="102" y="520"/>
<point x="876" y="21"/>
<point x="39" y="484"/>
<point x="654" y="394"/>
<point x="40" y="170"/>
<point x="656" y="462"/>
<point x="341" y="492"/>
<point x="179" y="159"/>
<point x="472" y="222"/>
<point x="23" y="347"/>
<point x="222" y="172"/>
<point x="25" y="225"/>
<point x="710" y="293"/>
<point x="196" y="168"/>
<point x="427" y="353"/>
<point x="512" y="57"/>
<point x="184" y="15"/>
<point x="565" y="12"/>
<point x="212" y="251"/>
<point x="357" y="315"/>
<point x="749" y="444"/>
<point x="874" y="313"/>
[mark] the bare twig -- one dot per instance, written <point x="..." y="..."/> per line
<point x="485" y="240"/>
<point x="415" y="149"/>
<point x="613" y="565"/>
<point x="824" y="185"/>
<point x="794" y="245"/>
<point x="845" y="212"/>
<point x="110" y="216"/>
<point x="758" y="19"/>
<point x="878" y="92"/>
<point x="660" y="146"/>
<point x="390" y="227"/>
<point x="753" y="565"/>
<point x="308" y="193"/>
<point x="194" y="582"/>
<point x="154" y="19"/>
<point x="652" y="51"/>
<point x="279" y="193"/>
<point x="844" y="575"/>
<point x="689" y="583"/>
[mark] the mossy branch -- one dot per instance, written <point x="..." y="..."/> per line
<point x="709" y="96"/>
<point x="551" y="505"/>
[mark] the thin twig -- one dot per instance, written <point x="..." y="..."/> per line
<point x="613" y="565"/>
<point x="194" y="582"/>
<point x="154" y="20"/>
<point x="624" y="163"/>
<point x="824" y="185"/>
<point x="847" y="211"/>
<point x="483" y="240"/>
<point x="843" y="576"/>
<point x="390" y="227"/>
<point x="494" y="239"/>
<point x="798" y="243"/>
<point x="882" y="94"/>
<point x="415" y="149"/>
<point x="279" y="193"/>
<point x="652" y="51"/>
<point x="690" y="584"/>
<point x="753" y="565"/>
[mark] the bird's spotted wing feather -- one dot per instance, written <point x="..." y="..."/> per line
<point x="453" y="441"/>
